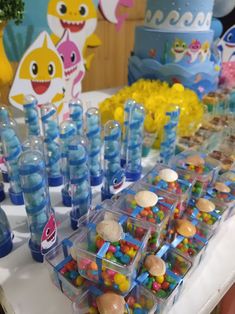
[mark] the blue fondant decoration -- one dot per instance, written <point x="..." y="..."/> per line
<point x="179" y="14"/>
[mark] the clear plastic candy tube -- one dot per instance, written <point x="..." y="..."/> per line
<point x="5" y="121"/>
<point x="134" y="143"/>
<point x="41" y="218"/>
<point x="93" y="132"/>
<point x="33" y="142"/>
<point x="80" y="180"/>
<point x="67" y="132"/>
<point x="52" y="148"/>
<point x="114" y="175"/>
<point x="12" y="150"/>
<point x="31" y="115"/>
<point x="76" y="114"/>
<point x="167" y="149"/>
<point x="5" y="235"/>
<point x="128" y="105"/>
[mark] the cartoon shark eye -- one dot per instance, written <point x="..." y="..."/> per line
<point x="83" y="10"/>
<point x="230" y="36"/>
<point x="177" y="45"/>
<point x="48" y="231"/>
<point x="51" y="68"/>
<point x="73" y="57"/>
<point x="33" y="69"/>
<point x="115" y="181"/>
<point x="62" y="58"/>
<point x="61" y="8"/>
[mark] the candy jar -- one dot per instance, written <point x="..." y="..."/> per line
<point x="12" y="150"/>
<point x="167" y="149"/>
<point x="189" y="238"/>
<point x="203" y="169"/>
<point x="177" y="183"/>
<point x="42" y="224"/>
<point x="128" y="105"/>
<point x="52" y="149"/>
<point x="5" y="235"/>
<point x="134" y="143"/>
<point x="109" y="249"/>
<point x="79" y="179"/>
<point x="34" y="142"/>
<point x="114" y="175"/>
<point x="67" y="132"/>
<point x="93" y="132"/>
<point x="162" y="275"/>
<point x="150" y="206"/>
<point x="31" y="115"/>
<point x="63" y="269"/>
<point x="207" y="212"/>
<point x="76" y="114"/>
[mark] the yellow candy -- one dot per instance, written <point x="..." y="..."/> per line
<point x="108" y="283"/>
<point x="142" y="301"/>
<point x="149" y="304"/>
<point x="109" y="255"/>
<point x="210" y="222"/>
<point x="119" y="278"/>
<point x="160" y="279"/>
<point x="93" y="310"/>
<point x="137" y="306"/>
<point x="185" y="241"/>
<point x="79" y="281"/>
<point x="124" y="286"/>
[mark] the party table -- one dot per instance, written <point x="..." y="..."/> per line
<point x="25" y="286"/>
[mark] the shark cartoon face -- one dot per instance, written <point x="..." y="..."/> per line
<point x="206" y="47"/>
<point x="117" y="181"/>
<point x="229" y="38"/>
<point x="49" y="235"/>
<point x="41" y="70"/>
<point x="77" y="16"/>
<point x="70" y="56"/>
<point x="195" y="46"/>
<point x="179" y="46"/>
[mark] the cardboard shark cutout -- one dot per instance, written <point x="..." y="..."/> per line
<point x="226" y="45"/>
<point x="40" y="73"/>
<point x="74" y="70"/>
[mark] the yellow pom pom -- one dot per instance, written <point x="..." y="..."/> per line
<point x="178" y="87"/>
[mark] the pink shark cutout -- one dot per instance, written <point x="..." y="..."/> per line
<point x="109" y="9"/>
<point x="49" y="235"/>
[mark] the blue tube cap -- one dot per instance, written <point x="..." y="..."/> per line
<point x="6" y="246"/>
<point x="36" y="252"/>
<point x="2" y="193"/>
<point x="66" y="198"/>
<point x="133" y="176"/>
<point x="73" y="221"/>
<point x="105" y="195"/>
<point x="96" y="180"/>
<point x="5" y="177"/>
<point x="16" y="198"/>
<point x="55" y="181"/>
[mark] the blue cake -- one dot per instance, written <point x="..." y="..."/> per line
<point x="176" y="45"/>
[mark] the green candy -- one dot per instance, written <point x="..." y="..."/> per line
<point x="161" y="294"/>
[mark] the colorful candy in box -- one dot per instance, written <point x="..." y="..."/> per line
<point x="162" y="274"/>
<point x="150" y="206"/>
<point x="178" y="184"/>
<point x="223" y="192"/>
<point x="226" y="159"/>
<point x="189" y="237"/>
<point x="63" y="270"/>
<point x="203" y="168"/>
<point x="110" y="248"/>
<point x="97" y="300"/>
<point x="207" y="212"/>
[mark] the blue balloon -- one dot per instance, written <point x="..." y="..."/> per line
<point x="217" y="27"/>
<point x="223" y="7"/>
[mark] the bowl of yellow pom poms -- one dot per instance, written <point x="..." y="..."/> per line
<point x="157" y="98"/>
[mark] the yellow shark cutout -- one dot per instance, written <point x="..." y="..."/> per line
<point x="40" y="73"/>
<point x="80" y="17"/>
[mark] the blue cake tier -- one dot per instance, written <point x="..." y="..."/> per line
<point x="185" y="49"/>
<point x="189" y="15"/>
